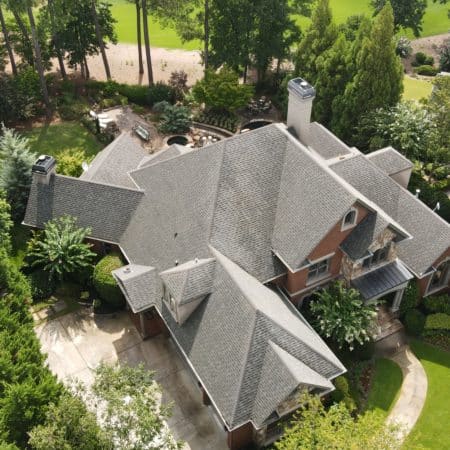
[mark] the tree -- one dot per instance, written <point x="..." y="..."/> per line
<point x="60" y="249"/>
<point x="130" y="409"/>
<point x="222" y="91"/>
<point x="377" y="81"/>
<point x="7" y="41"/>
<point x="320" y="36"/>
<point x="55" y="36"/>
<point x="137" y="3"/>
<point x="340" y="315"/>
<point x="99" y="35"/>
<point x="315" y="427"/>
<point x="147" y="43"/>
<point x="5" y="223"/>
<point x="69" y="425"/>
<point x="407" y="13"/>
<point x="15" y="171"/>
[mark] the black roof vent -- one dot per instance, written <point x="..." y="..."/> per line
<point x="44" y="164"/>
<point x="302" y="88"/>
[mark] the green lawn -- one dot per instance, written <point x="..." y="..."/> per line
<point x="58" y="138"/>
<point x="435" y="22"/>
<point x="386" y="384"/>
<point x="416" y="89"/>
<point x="432" y="428"/>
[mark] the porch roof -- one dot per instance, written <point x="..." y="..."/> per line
<point x="382" y="280"/>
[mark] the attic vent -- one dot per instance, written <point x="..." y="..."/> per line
<point x="196" y="260"/>
<point x="175" y="235"/>
<point x="127" y="270"/>
<point x="176" y="262"/>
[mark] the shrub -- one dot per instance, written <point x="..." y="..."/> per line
<point x="41" y="285"/>
<point x="410" y="298"/>
<point x="364" y="352"/>
<point x="414" y="322"/>
<point x="175" y="119"/>
<point x="444" y="55"/>
<point x="178" y="81"/>
<point x="427" y="70"/>
<point x="160" y="107"/>
<point x="160" y="92"/>
<point x="70" y="163"/>
<point x="438" y="304"/>
<point x="422" y="59"/>
<point x="437" y="323"/>
<point x="70" y="109"/>
<point x="227" y="121"/>
<point x="342" y="393"/>
<point x="104" y="282"/>
<point x="403" y="48"/>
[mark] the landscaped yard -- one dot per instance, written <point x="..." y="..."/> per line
<point x="58" y="138"/>
<point x="416" y="89"/>
<point x="432" y="428"/>
<point x="386" y="384"/>
<point x="435" y="22"/>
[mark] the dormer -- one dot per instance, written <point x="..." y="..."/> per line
<point x="186" y="286"/>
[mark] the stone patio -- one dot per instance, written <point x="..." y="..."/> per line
<point x="77" y="342"/>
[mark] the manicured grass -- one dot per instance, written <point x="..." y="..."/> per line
<point x="416" y="89"/>
<point x="435" y="22"/>
<point x="58" y="138"/>
<point x="386" y="384"/>
<point x="432" y="428"/>
<point x="125" y="14"/>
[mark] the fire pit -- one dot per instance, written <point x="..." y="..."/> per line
<point x="178" y="139"/>
<point x="255" y="124"/>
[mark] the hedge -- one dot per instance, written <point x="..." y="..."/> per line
<point x="41" y="285"/>
<point x="437" y="323"/>
<point x="414" y="322"/>
<point x="104" y="282"/>
<point x="438" y="304"/>
<point x="427" y="70"/>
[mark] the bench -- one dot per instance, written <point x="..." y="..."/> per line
<point x="142" y="132"/>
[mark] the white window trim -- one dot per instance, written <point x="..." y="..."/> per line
<point x="347" y="226"/>
<point x="327" y="274"/>
<point x="444" y="285"/>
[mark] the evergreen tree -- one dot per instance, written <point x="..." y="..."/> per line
<point x="15" y="171"/>
<point x="5" y="223"/>
<point x="378" y="81"/>
<point x="320" y="36"/>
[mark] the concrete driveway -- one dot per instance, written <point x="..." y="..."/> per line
<point x="77" y="342"/>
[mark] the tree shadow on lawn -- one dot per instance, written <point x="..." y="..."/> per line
<point x="429" y="352"/>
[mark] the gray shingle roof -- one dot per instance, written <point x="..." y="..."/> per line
<point x="140" y="285"/>
<point x="390" y="160"/>
<point x="239" y="320"/>
<point x="106" y="209"/>
<point x="363" y="235"/>
<point x="387" y="277"/>
<point x="113" y="162"/>
<point x="310" y="202"/>
<point x="163" y="155"/>
<point x="431" y="234"/>
<point x="325" y="143"/>
<point x="190" y="280"/>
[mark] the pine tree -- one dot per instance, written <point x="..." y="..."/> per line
<point x="378" y="81"/>
<point x="320" y="36"/>
<point x="15" y="172"/>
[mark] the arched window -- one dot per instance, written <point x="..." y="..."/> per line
<point x="349" y="220"/>
<point x="440" y="278"/>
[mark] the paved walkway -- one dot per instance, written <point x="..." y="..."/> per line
<point x="76" y="343"/>
<point x="413" y="392"/>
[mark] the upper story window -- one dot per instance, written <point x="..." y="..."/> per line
<point x="440" y="278"/>
<point x="319" y="269"/>
<point x="349" y="220"/>
<point x="377" y="257"/>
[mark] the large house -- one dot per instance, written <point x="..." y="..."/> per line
<point x="224" y="244"/>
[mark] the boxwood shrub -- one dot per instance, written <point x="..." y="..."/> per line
<point x="414" y="322"/>
<point x="427" y="70"/>
<point x="438" y="304"/>
<point x="41" y="285"/>
<point x="104" y="282"/>
<point x="437" y="323"/>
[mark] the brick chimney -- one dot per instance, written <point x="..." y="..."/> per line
<point x="301" y="96"/>
<point x="43" y="169"/>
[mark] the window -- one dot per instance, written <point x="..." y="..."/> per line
<point x="377" y="257"/>
<point x="349" y="219"/>
<point x="319" y="269"/>
<point x="440" y="277"/>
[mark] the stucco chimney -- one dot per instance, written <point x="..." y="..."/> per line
<point x="301" y="96"/>
<point x="43" y="168"/>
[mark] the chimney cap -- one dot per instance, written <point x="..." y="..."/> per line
<point x="44" y="164"/>
<point x="302" y="88"/>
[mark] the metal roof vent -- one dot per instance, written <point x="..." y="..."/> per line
<point x="127" y="269"/>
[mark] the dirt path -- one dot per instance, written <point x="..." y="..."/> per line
<point x="428" y="45"/>
<point x="123" y="60"/>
